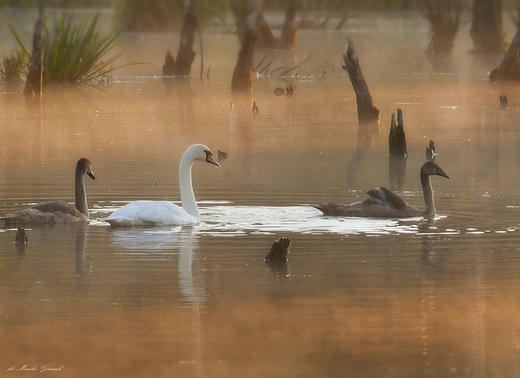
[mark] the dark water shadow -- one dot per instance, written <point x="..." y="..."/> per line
<point x="366" y="135"/>
<point x="396" y="171"/>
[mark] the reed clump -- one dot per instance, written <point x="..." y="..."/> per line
<point x="75" y="50"/>
<point x="12" y="66"/>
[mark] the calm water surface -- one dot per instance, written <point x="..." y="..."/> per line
<point x="358" y="297"/>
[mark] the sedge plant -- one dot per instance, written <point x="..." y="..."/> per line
<point x="73" y="51"/>
<point x="12" y="66"/>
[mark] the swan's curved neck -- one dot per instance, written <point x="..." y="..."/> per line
<point x="80" y="195"/>
<point x="428" y="195"/>
<point x="189" y="204"/>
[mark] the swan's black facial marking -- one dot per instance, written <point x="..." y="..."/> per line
<point x="91" y="174"/>
<point x="210" y="159"/>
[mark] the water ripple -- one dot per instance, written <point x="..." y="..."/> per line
<point x="243" y="220"/>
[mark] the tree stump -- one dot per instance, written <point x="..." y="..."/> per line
<point x="169" y="62"/>
<point x="279" y="250"/>
<point x="396" y="137"/>
<point x="367" y="112"/>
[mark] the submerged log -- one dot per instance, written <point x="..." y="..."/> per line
<point x="396" y="137"/>
<point x="33" y="85"/>
<point x="367" y="112"/>
<point x="509" y="68"/>
<point x="279" y="250"/>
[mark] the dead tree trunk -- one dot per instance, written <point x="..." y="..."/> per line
<point x="242" y="79"/>
<point x="486" y="27"/>
<point x="186" y="55"/>
<point x="290" y="26"/>
<point x="509" y="68"/>
<point x="397" y="138"/>
<point x="367" y="112"/>
<point x="444" y="17"/>
<point x="33" y="85"/>
<point x="241" y="12"/>
<point x="265" y="37"/>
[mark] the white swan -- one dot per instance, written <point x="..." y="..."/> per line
<point x="144" y="213"/>
<point x="58" y="212"/>
<point x="383" y="203"/>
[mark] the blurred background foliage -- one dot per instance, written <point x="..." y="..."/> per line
<point x="160" y="15"/>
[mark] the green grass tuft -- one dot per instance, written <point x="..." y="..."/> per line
<point x="12" y="66"/>
<point x="73" y="52"/>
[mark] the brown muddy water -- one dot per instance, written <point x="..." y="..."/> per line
<point x="358" y="297"/>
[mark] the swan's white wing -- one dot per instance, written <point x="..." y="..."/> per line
<point x="141" y="213"/>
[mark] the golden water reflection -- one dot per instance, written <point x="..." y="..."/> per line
<point x="358" y="297"/>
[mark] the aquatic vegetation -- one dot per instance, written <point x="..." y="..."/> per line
<point x="74" y="50"/>
<point x="12" y="66"/>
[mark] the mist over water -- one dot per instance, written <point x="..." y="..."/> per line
<point x="358" y="297"/>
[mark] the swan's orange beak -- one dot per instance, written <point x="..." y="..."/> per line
<point x="210" y="159"/>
